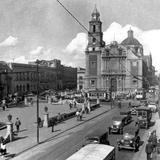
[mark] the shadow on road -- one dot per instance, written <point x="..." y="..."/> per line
<point x="9" y="156"/>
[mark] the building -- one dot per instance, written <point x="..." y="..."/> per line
<point x="113" y="67"/>
<point x="23" y="78"/>
<point x="80" y="78"/>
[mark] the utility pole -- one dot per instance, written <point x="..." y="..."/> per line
<point x="37" y="71"/>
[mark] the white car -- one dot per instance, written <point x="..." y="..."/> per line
<point x="152" y="106"/>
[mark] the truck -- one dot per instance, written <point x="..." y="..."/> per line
<point x="94" y="152"/>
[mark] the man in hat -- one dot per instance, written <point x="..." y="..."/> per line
<point x="149" y="149"/>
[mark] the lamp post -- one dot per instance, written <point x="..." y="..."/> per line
<point x="37" y="71"/>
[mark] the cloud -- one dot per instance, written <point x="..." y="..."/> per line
<point x="78" y="44"/>
<point x="40" y="53"/>
<point x="21" y="59"/>
<point x="39" y="50"/>
<point x="149" y="39"/>
<point x="10" y="41"/>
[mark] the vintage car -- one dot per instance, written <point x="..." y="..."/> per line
<point x="130" y="139"/>
<point x="133" y="111"/>
<point x="144" y="115"/>
<point x="152" y="106"/>
<point x="127" y="116"/>
<point x="118" y="123"/>
<point x="97" y="138"/>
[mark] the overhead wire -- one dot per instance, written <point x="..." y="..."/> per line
<point x="76" y="19"/>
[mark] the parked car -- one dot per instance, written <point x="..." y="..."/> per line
<point x="129" y="140"/>
<point x="118" y="123"/>
<point x="152" y="106"/>
<point x="127" y="116"/>
<point x="133" y="111"/>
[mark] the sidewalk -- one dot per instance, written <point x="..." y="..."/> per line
<point x="27" y="140"/>
<point x="141" y="154"/>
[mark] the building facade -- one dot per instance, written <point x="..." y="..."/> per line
<point x="23" y="78"/>
<point x="80" y="78"/>
<point x="113" y="67"/>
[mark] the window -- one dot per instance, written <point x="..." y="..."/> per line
<point x="94" y="28"/>
<point x="94" y="39"/>
<point x="93" y="64"/>
<point x="80" y="78"/>
<point x="92" y="83"/>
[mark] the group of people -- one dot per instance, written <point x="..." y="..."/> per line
<point x="86" y="108"/>
<point x="3" y="150"/>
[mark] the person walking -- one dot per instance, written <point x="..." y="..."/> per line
<point x="52" y="124"/>
<point x="17" y="124"/>
<point x="149" y="150"/>
<point x="89" y="106"/>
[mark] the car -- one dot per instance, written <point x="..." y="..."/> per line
<point x="133" y="111"/>
<point x="97" y="138"/>
<point x="152" y="106"/>
<point x="130" y="139"/>
<point x="118" y="123"/>
<point x="127" y="116"/>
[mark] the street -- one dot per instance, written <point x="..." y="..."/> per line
<point x="65" y="144"/>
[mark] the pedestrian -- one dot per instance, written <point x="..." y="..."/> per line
<point x="119" y="104"/>
<point x="17" y="124"/>
<point x="70" y="105"/>
<point x="89" y="106"/>
<point x="59" y="118"/>
<point x="39" y="122"/>
<point x="78" y="115"/>
<point x="3" y="149"/>
<point x="129" y="105"/>
<point x="52" y="124"/>
<point x="149" y="150"/>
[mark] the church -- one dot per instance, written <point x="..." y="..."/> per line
<point x="116" y="67"/>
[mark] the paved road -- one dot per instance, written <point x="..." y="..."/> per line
<point x="66" y="144"/>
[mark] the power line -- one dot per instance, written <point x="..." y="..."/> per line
<point x="76" y="19"/>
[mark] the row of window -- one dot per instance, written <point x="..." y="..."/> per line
<point x="32" y="76"/>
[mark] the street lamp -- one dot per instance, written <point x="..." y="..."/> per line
<point x="37" y="71"/>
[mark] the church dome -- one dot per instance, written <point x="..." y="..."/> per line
<point x="130" y="40"/>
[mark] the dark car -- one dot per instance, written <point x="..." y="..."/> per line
<point x="118" y="123"/>
<point x="127" y="116"/>
<point x="133" y="111"/>
<point x="129" y="140"/>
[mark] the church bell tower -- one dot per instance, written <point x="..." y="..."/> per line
<point x="93" y="52"/>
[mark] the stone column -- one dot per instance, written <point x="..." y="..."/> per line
<point x="49" y="100"/>
<point x="98" y="101"/>
<point x="46" y="120"/>
<point x="25" y="101"/>
<point x="9" y="134"/>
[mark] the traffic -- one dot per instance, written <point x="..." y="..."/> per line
<point x="125" y="130"/>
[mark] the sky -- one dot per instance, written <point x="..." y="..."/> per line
<point x="39" y="29"/>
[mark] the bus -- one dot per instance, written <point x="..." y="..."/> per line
<point x="94" y="152"/>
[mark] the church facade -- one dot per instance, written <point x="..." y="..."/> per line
<point x="116" y="67"/>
